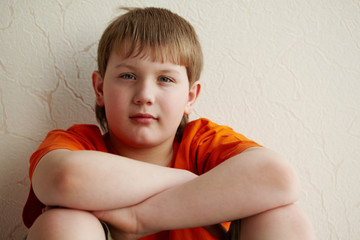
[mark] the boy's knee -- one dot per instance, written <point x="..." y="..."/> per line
<point x="66" y="224"/>
<point x="286" y="222"/>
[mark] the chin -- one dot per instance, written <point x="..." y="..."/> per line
<point x="143" y="143"/>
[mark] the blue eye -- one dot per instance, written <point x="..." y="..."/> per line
<point x="165" y="79"/>
<point x="127" y="76"/>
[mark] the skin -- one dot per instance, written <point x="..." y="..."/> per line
<point x="226" y="188"/>
<point x="144" y="102"/>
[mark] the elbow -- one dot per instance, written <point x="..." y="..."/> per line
<point x="55" y="186"/>
<point x="285" y="181"/>
<point x="66" y="186"/>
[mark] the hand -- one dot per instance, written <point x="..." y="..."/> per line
<point x="123" y="223"/>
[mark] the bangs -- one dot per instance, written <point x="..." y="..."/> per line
<point x="157" y="53"/>
<point x="159" y="34"/>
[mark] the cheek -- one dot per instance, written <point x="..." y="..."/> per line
<point x="114" y="93"/>
<point x="175" y="103"/>
<point x="114" y="100"/>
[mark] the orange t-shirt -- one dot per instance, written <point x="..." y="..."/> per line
<point x="204" y="145"/>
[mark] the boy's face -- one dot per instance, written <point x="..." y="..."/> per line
<point x="144" y="100"/>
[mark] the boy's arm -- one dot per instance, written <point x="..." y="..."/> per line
<point x="249" y="183"/>
<point x="92" y="180"/>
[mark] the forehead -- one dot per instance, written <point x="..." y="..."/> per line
<point x="145" y="62"/>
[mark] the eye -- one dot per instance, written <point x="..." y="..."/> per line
<point x="127" y="76"/>
<point x="166" y="79"/>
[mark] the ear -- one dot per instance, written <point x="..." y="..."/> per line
<point x="193" y="95"/>
<point x="98" y="84"/>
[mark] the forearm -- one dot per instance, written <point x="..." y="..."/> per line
<point x="247" y="184"/>
<point x="92" y="180"/>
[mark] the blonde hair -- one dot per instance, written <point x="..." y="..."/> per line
<point x="158" y="33"/>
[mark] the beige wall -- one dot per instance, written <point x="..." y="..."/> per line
<point x="285" y="73"/>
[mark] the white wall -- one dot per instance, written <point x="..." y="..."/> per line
<point x="285" y="73"/>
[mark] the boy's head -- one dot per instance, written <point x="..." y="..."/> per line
<point x="158" y="33"/>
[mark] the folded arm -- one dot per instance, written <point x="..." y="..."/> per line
<point x="249" y="183"/>
<point x="91" y="180"/>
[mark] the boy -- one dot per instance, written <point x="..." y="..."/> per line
<point x="152" y="175"/>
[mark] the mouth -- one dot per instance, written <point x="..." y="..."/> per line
<point x="143" y="118"/>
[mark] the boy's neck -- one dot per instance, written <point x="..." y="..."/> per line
<point x="159" y="155"/>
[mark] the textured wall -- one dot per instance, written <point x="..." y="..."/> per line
<point x="285" y="73"/>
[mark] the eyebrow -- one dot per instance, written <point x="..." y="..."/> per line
<point x="162" y="71"/>
<point x="124" y="65"/>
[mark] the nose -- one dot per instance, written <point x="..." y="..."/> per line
<point x="145" y="92"/>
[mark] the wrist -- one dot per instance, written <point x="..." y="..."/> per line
<point x="148" y="214"/>
<point x="143" y="228"/>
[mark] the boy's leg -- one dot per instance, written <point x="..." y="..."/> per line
<point x="66" y="224"/>
<point x="287" y="222"/>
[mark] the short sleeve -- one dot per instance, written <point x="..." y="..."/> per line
<point x="78" y="137"/>
<point x="212" y="144"/>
